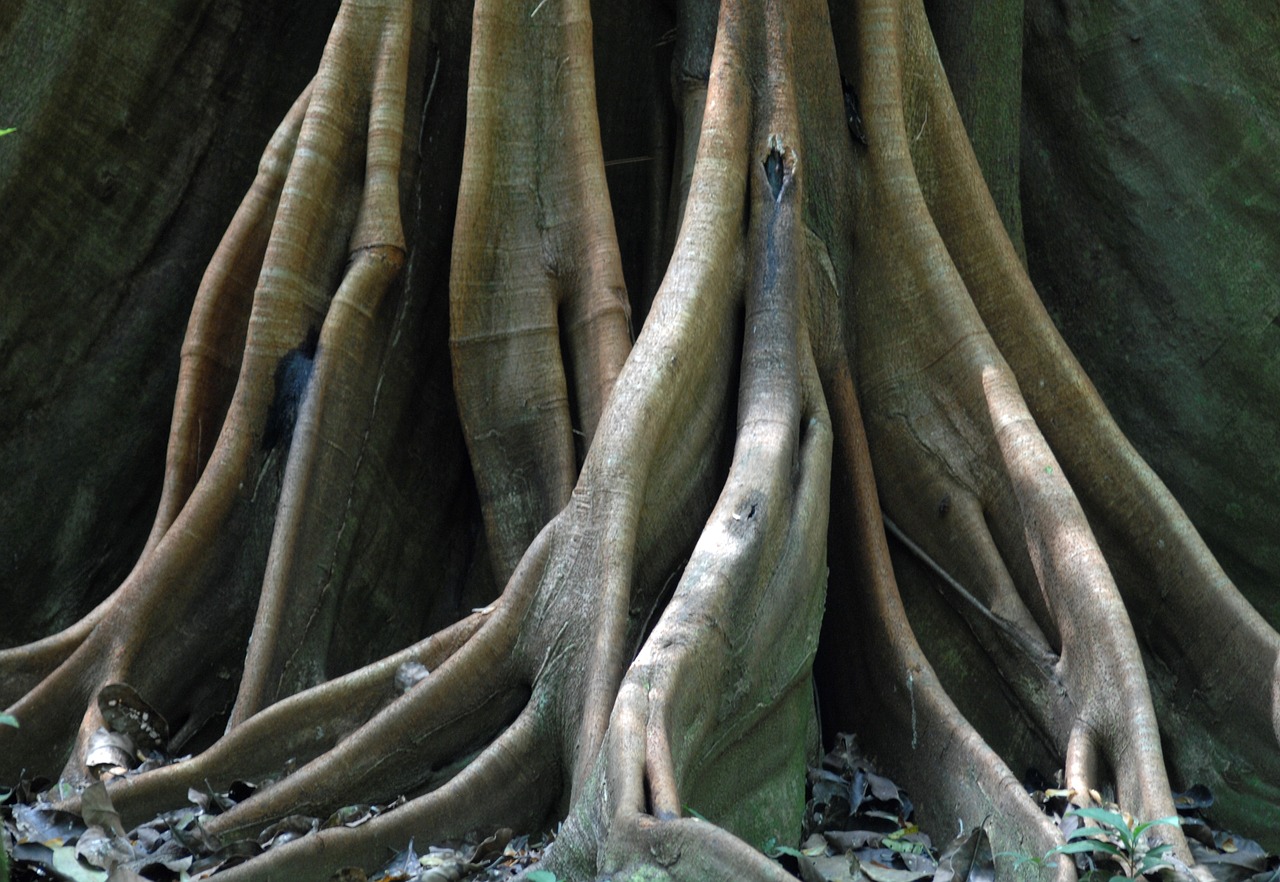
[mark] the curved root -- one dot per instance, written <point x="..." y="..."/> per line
<point x="823" y="277"/>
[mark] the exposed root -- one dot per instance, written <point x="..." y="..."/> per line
<point x="145" y="631"/>
<point x="947" y="413"/>
<point x="509" y="785"/>
<point x="214" y="347"/>
<point x="539" y="313"/>
<point x="451" y="713"/>
<point x="916" y="712"/>
<point x="1190" y="613"/>
<point x="725" y="455"/>
<point x="291" y="732"/>
<point x="955" y="446"/>
<point x="211" y="359"/>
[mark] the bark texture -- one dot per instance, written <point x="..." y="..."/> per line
<point x="758" y="403"/>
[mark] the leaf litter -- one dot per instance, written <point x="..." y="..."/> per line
<point x="46" y="843"/>
<point x="858" y="826"/>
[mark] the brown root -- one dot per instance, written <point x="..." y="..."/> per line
<point x="143" y="633"/>
<point x="844" y="342"/>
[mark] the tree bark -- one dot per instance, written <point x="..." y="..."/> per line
<point x="760" y="406"/>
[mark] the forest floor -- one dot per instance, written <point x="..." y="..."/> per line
<point x="858" y="825"/>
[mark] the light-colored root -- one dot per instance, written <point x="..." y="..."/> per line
<point x="1101" y="662"/>
<point x="370" y="46"/>
<point x="136" y="636"/>
<point x="25" y="666"/>
<point x="539" y="320"/>
<point x="881" y="650"/>
<point x="292" y="731"/>
<point x="1192" y="618"/>
<point x="455" y="710"/>
<point x="512" y="783"/>
<point x="214" y="343"/>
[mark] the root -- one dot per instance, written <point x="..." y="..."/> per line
<point x="843" y="325"/>
<point x="211" y="358"/>
<point x="456" y="709"/>
<point x="293" y="731"/>
<point x="143" y="631"/>
<point x="949" y="428"/>
<point x="1190" y="611"/>
<point x="509" y="785"/>
<point x="917" y="710"/>
<point x="544" y="302"/>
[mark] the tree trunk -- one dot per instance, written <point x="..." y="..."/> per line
<point x="743" y="364"/>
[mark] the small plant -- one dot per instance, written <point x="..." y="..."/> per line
<point x="1118" y="841"/>
<point x="773" y="850"/>
<point x="1021" y="858"/>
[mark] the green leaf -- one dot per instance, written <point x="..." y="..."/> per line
<point x="541" y="876"/>
<point x="4" y="132"/>
<point x="1112" y="819"/>
<point x="1084" y="846"/>
<point x="903" y="846"/>
<point x="1112" y="825"/>
<point x="1172" y="821"/>
<point x="1091" y="832"/>
<point x="1155" y="859"/>
<point x="8" y="719"/>
<point x="773" y="849"/>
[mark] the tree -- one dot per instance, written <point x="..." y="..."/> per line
<point x="835" y="333"/>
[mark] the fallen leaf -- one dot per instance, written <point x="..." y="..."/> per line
<point x="967" y="858"/>
<point x="492" y="847"/>
<point x="101" y="849"/>
<point x="851" y="840"/>
<point x="288" y="829"/>
<point x="882" y="788"/>
<point x="1194" y="798"/>
<point x="349" y="816"/>
<point x="404" y="866"/>
<point x="881" y="873"/>
<point x="828" y="868"/>
<point x="349" y="874"/>
<point x="124" y="710"/>
<point x="1246" y="859"/>
<point x="69" y="866"/>
<point x="97" y="811"/>
<point x="228" y="855"/>
<point x="124" y="874"/>
<point x="46" y="826"/>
